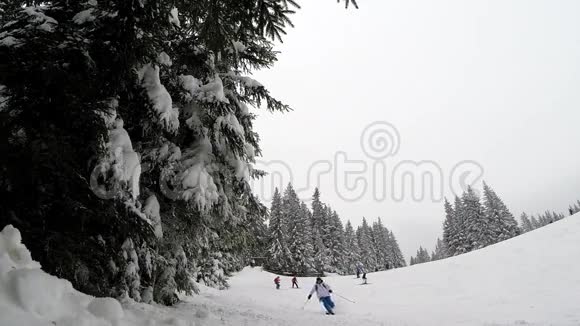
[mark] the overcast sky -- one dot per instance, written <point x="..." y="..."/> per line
<point x="492" y="82"/>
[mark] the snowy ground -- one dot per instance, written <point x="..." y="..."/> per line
<point x="533" y="279"/>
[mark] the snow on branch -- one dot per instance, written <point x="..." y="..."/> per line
<point x="39" y="19"/>
<point x="197" y="183"/>
<point x="159" y="97"/>
<point x="213" y="91"/>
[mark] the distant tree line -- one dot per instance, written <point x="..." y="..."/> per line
<point x="312" y="241"/>
<point x="471" y="225"/>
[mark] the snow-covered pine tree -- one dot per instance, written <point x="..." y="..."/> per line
<point x="297" y="236"/>
<point x="336" y="241"/>
<point x="381" y="245"/>
<point x="526" y="224"/>
<point x="440" y="252"/>
<point x="421" y="257"/>
<point x="542" y="220"/>
<point x="425" y="257"/>
<point x="306" y="229"/>
<point x="156" y="93"/>
<point x="459" y="239"/>
<point x="391" y="248"/>
<point x="351" y="249"/>
<point x="317" y="211"/>
<point x="320" y="252"/>
<point x="450" y="229"/>
<point x="365" y="242"/>
<point x="327" y="229"/>
<point x="476" y="226"/>
<point x="535" y="222"/>
<point x="501" y="223"/>
<point x="278" y="254"/>
<point x="398" y="260"/>
<point x="574" y="208"/>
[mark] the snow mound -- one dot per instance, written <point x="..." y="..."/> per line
<point x="106" y="308"/>
<point x="22" y="283"/>
<point x="29" y="296"/>
<point x="13" y="254"/>
<point x="35" y="291"/>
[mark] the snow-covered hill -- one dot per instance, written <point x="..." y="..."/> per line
<point x="533" y="279"/>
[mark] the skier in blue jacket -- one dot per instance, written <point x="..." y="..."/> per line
<point x="323" y="292"/>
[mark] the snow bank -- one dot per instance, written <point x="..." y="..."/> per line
<point x="31" y="297"/>
<point x="13" y="254"/>
<point x="106" y="308"/>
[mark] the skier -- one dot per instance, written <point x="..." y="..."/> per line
<point x="359" y="269"/>
<point x="277" y="282"/>
<point x="323" y="292"/>
<point x="295" y="282"/>
<point x="365" y="278"/>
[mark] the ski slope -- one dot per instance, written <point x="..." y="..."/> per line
<point x="533" y="279"/>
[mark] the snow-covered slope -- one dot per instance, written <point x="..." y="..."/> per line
<point x="533" y="279"/>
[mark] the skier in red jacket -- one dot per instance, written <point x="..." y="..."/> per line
<point x="277" y="282"/>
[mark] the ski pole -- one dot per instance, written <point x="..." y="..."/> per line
<point x="304" y="305"/>
<point x="349" y="300"/>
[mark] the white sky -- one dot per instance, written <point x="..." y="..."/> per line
<point x="496" y="82"/>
